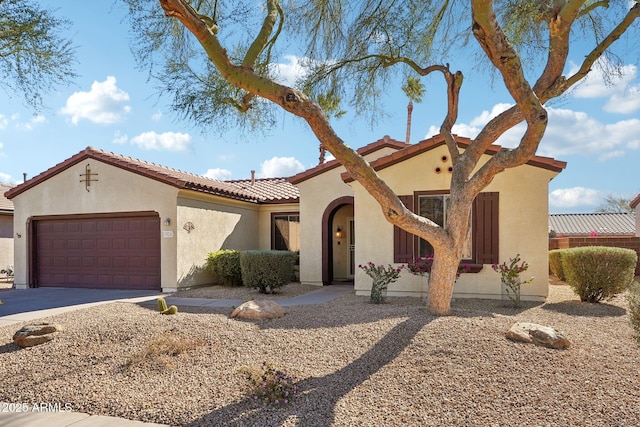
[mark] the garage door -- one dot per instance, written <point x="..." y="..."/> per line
<point x="105" y="251"/>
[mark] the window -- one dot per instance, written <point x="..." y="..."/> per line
<point x="482" y="240"/>
<point x="285" y="231"/>
<point x="436" y="207"/>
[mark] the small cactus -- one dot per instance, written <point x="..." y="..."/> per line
<point x="162" y="306"/>
<point x="171" y="310"/>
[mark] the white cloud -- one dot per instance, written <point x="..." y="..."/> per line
<point x="568" y="132"/>
<point x="575" y="132"/>
<point x="624" y="103"/>
<point x="119" y="138"/>
<point x="169" y="141"/>
<point x="156" y="116"/>
<point x="605" y="80"/>
<point x="5" y="178"/>
<point x="574" y="197"/>
<point x="511" y="138"/>
<point x="226" y="157"/>
<point x="279" y="167"/>
<point x="219" y="174"/>
<point x="4" y="122"/>
<point x="34" y="121"/>
<point x="485" y="116"/>
<point x="289" y="73"/>
<point x="611" y="155"/>
<point x="103" y="104"/>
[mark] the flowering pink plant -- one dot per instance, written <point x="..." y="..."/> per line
<point x="511" y="272"/>
<point x="510" y="276"/>
<point x="422" y="266"/>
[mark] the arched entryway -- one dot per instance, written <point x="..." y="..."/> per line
<point x="338" y="241"/>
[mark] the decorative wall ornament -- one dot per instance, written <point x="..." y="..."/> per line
<point x="87" y="177"/>
<point x="189" y="226"/>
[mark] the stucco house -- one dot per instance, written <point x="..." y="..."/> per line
<point x="103" y="220"/>
<point x="6" y="228"/>
<point x="510" y="217"/>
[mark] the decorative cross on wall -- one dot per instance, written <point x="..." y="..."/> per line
<point x="87" y="177"/>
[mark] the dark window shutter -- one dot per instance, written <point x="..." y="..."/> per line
<point x="402" y="240"/>
<point x="486" y="236"/>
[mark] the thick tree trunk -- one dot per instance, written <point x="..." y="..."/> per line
<point x="441" y="281"/>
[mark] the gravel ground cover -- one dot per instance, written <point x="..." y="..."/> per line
<point x="241" y="292"/>
<point x="357" y="364"/>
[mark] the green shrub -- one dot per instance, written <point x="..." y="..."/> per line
<point x="596" y="272"/>
<point x="555" y="263"/>
<point x="266" y="270"/>
<point x="634" y="307"/>
<point x="225" y="267"/>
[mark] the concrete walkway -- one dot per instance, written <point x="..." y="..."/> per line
<point x="32" y="304"/>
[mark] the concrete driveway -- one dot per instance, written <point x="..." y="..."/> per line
<point x="22" y="305"/>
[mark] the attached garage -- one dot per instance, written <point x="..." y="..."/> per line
<point x="102" y="220"/>
<point x="107" y="251"/>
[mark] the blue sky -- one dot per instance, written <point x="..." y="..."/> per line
<point x="115" y="107"/>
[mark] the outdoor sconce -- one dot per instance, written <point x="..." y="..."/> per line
<point x="339" y="233"/>
<point x="167" y="221"/>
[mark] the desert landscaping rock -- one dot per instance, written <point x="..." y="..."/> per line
<point x="545" y="336"/>
<point x="357" y="364"/>
<point x="258" y="310"/>
<point x="36" y="334"/>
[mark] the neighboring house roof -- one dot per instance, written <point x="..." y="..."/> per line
<point x="6" y="205"/>
<point x="385" y="142"/>
<point x="268" y="190"/>
<point x="429" y="144"/>
<point x="585" y="224"/>
<point x="635" y="202"/>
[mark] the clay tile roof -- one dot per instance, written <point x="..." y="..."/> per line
<point x="6" y="205"/>
<point x="463" y="142"/>
<point x="268" y="191"/>
<point x="385" y="142"/>
<point x="635" y="202"/>
<point x="275" y="190"/>
<point x="603" y="223"/>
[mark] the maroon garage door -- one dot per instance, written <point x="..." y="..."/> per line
<point x="119" y="251"/>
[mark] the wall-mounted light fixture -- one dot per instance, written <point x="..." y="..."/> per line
<point x="167" y="221"/>
<point x="339" y="233"/>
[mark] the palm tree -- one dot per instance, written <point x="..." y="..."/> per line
<point x="414" y="90"/>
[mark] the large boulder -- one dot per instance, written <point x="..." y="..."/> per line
<point x="545" y="336"/>
<point x="258" y="309"/>
<point x="36" y="334"/>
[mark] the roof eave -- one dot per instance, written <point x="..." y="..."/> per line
<point x="92" y="153"/>
<point x="463" y="142"/>
<point x="385" y="142"/>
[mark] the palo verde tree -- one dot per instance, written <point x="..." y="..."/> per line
<point x="34" y="57"/>
<point x="353" y="49"/>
